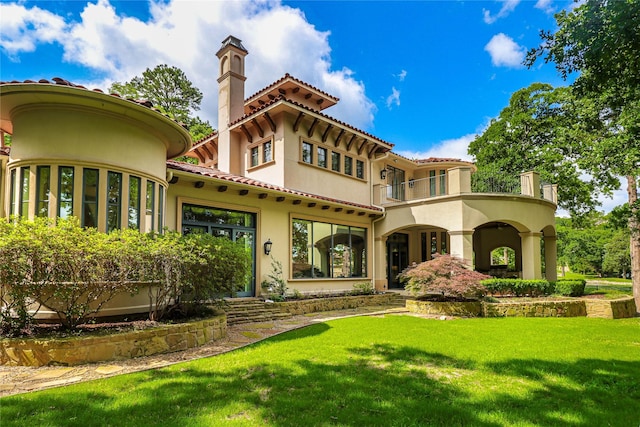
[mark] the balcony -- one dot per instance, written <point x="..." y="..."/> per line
<point x="458" y="181"/>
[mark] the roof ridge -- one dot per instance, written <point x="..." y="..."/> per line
<point x="289" y="76"/>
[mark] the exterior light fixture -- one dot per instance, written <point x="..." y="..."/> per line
<point x="267" y="247"/>
<point x="383" y="174"/>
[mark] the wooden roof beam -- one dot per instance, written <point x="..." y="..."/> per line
<point x="373" y="150"/>
<point x="246" y="133"/>
<point x="325" y="135"/>
<point x="200" y="156"/>
<point x="364" y="142"/>
<point x="272" y="124"/>
<point x="337" y="141"/>
<point x="297" y="122"/>
<point x="351" y="141"/>
<point x="209" y="153"/>
<point x="258" y="127"/>
<point x="312" y="128"/>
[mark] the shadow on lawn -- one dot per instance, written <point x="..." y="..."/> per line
<point x="379" y="385"/>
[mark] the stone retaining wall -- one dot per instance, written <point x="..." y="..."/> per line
<point x="609" y="309"/>
<point x="465" y="309"/>
<point x="306" y="306"/>
<point x="126" y="345"/>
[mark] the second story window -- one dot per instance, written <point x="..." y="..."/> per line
<point x="335" y="161"/>
<point x="267" y="154"/>
<point x="255" y="156"/>
<point x="359" y="169"/>
<point x="307" y="152"/>
<point x="322" y="157"/>
<point x="348" y="165"/>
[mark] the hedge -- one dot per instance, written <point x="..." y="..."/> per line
<point x="518" y="287"/>
<point x="570" y="288"/>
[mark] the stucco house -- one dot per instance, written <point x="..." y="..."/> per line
<point x="336" y="205"/>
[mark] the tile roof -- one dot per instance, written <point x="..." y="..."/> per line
<point x="217" y="174"/>
<point x="440" y="160"/>
<point x="289" y="76"/>
<point x="61" y="82"/>
<point x="289" y="101"/>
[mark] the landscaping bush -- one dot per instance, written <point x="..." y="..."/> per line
<point x="444" y="275"/>
<point x="570" y="288"/>
<point x="75" y="271"/>
<point x="518" y="287"/>
<point x="276" y="285"/>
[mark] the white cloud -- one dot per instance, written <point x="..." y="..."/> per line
<point x="402" y="75"/>
<point x="504" y="51"/>
<point x="545" y="5"/>
<point x="450" y="148"/>
<point x="187" y="34"/>
<point x="394" y="98"/>
<point x="23" y="29"/>
<point x="508" y="6"/>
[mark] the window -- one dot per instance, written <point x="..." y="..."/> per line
<point x="114" y="200"/>
<point x="134" y="203"/>
<point x="43" y="184"/>
<point x="335" y="161"/>
<point x="348" y="165"/>
<point x="65" y="191"/>
<point x="307" y="152"/>
<point x="267" y="154"/>
<point x="150" y="206"/>
<point x="443" y="242"/>
<point x="322" y="157"/>
<point x="255" y="156"/>
<point x="432" y="183"/>
<point x="395" y="181"/>
<point x="359" y="169"/>
<point x="90" y="198"/>
<point x="12" y="193"/>
<point x="24" y="191"/>
<point x="160" y="208"/>
<point x="443" y="182"/>
<point x="321" y="250"/>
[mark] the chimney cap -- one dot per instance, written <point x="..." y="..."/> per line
<point x="233" y="41"/>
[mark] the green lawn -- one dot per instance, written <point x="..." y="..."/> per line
<point x="369" y="371"/>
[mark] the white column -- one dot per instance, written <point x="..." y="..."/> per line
<point x="531" y="260"/>
<point x="462" y="245"/>
<point x="550" y="258"/>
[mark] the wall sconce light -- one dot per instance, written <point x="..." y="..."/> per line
<point x="267" y="247"/>
<point x="383" y="174"/>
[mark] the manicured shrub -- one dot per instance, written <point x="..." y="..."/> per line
<point x="570" y="288"/>
<point x="518" y="287"/>
<point x="444" y="275"/>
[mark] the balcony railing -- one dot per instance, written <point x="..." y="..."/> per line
<point x="458" y="181"/>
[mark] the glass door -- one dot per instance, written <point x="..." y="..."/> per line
<point x="397" y="258"/>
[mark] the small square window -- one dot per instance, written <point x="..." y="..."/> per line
<point x="348" y="165"/>
<point x="267" y="154"/>
<point x="307" y="152"/>
<point x="322" y="157"/>
<point x="335" y="161"/>
<point x="360" y="169"/>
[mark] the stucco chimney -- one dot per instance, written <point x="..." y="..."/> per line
<point x="230" y="101"/>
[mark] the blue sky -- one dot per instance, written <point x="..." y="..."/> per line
<point x="426" y="76"/>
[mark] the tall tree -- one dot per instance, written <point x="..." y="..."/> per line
<point x="600" y="40"/>
<point x="169" y="89"/>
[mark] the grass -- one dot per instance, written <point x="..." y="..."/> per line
<point x="370" y="371"/>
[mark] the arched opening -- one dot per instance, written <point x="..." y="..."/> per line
<point x="497" y="249"/>
<point x="503" y="262"/>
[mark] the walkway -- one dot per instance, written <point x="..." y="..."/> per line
<point x="21" y="379"/>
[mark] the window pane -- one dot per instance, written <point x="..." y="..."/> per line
<point x="43" y="179"/>
<point x="267" y="155"/>
<point x="134" y="202"/>
<point x="434" y="243"/>
<point x="360" y="169"/>
<point x="300" y="248"/>
<point x="335" y="161"/>
<point x="432" y="183"/>
<point x="150" y="205"/>
<point x="24" y="191"/>
<point x="359" y="252"/>
<point x="443" y="243"/>
<point x="193" y="213"/>
<point x="322" y="157"/>
<point x="443" y="182"/>
<point x="160" y="208"/>
<point x="307" y="155"/>
<point x="114" y="200"/>
<point x="341" y="253"/>
<point x="65" y="193"/>
<point x="321" y="249"/>
<point x="12" y="193"/>
<point x="254" y="156"/>
<point x="348" y="165"/>
<point x="90" y="198"/>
